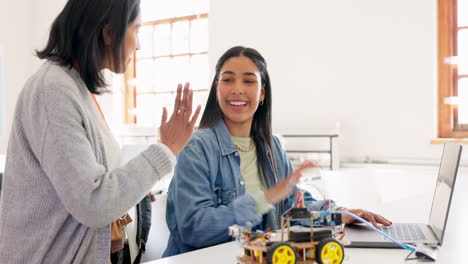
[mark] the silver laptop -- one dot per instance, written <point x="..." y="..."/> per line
<point x="430" y="234"/>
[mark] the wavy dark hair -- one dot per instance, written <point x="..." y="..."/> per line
<point x="261" y="130"/>
<point x="76" y="36"/>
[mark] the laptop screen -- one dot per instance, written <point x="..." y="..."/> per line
<point x="444" y="189"/>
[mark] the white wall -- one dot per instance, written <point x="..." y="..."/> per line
<point x="368" y="64"/>
<point x="24" y="27"/>
<point x="15" y="40"/>
<point x="330" y="61"/>
<point x="43" y="14"/>
<point x="45" y="11"/>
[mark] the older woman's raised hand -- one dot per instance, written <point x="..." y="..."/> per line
<point x="176" y="132"/>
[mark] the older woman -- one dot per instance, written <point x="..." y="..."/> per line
<point x="63" y="186"/>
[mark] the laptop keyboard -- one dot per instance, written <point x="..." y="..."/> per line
<point x="405" y="232"/>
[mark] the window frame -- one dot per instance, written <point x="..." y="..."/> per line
<point x="448" y="126"/>
<point x="130" y="75"/>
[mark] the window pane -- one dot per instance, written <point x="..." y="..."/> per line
<point x="462" y="13"/>
<point x="462" y="51"/>
<point x="199" y="72"/>
<point x="146" y="42"/>
<point x="145" y="109"/>
<point x="149" y="107"/>
<point x="157" y="78"/>
<point x="463" y="103"/>
<point x="170" y="72"/>
<point x="157" y="9"/>
<point x="162" y="40"/>
<point x="178" y="71"/>
<point x="199" y="35"/>
<point x="160" y="72"/>
<point x="161" y="9"/>
<point x="201" y="6"/>
<point x="199" y="98"/>
<point x="144" y="73"/>
<point x="191" y="7"/>
<point x="180" y="35"/>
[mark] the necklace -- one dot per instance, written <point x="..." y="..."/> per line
<point x="249" y="148"/>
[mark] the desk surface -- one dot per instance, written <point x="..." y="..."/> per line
<point x="401" y="194"/>
<point x="227" y="253"/>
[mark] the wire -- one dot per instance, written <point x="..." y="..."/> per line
<point x="403" y="245"/>
<point x="339" y="235"/>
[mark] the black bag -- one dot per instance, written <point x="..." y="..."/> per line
<point x="143" y="227"/>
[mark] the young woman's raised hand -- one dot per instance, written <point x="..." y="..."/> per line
<point x="176" y="132"/>
<point x="285" y="187"/>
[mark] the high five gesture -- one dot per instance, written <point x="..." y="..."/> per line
<point x="176" y="132"/>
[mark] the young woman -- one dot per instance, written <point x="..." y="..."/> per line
<point x="63" y="186"/>
<point x="233" y="171"/>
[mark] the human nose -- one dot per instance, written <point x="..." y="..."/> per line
<point x="238" y="88"/>
<point x="138" y="43"/>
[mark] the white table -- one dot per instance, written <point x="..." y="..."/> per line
<point x="399" y="193"/>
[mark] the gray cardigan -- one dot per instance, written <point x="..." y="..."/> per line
<point x="62" y="185"/>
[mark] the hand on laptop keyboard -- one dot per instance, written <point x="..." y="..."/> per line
<point x="374" y="219"/>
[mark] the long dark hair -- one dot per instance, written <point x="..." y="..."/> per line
<point x="76" y="36"/>
<point x="261" y="131"/>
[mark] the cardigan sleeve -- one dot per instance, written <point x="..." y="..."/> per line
<point x="67" y="155"/>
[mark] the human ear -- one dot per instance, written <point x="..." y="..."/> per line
<point x="262" y="93"/>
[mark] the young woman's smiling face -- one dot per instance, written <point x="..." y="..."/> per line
<point x="239" y="90"/>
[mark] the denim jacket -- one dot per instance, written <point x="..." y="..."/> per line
<point x="207" y="193"/>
